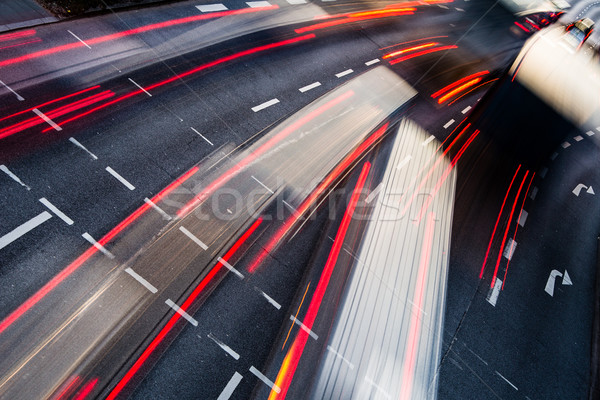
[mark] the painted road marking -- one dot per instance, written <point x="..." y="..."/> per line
<point x="578" y="138"/>
<point x="543" y="172"/>
<point x="56" y="211"/>
<point x="459" y="9"/>
<point x="304" y="327"/>
<point x="590" y="133"/>
<point x="97" y="245"/>
<point x="179" y="311"/>
<point x="226" y="348"/>
<point x="308" y="87"/>
<point x="289" y="205"/>
<point x="48" y="120"/>
<point x="403" y="163"/>
<point x="265" y="105"/>
<point x="494" y="292"/>
<point x="258" y="4"/>
<point x="202" y="136"/>
<point x="449" y="123"/>
<point x="466" y="110"/>
<point x="373" y="61"/>
<point x="553" y="156"/>
<point x="376" y="386"/>
<point x="15" y="178"/>
<point x="374" y="193"/>
<point x="82" y="147"/>
<point x="141" y="280"/>
<point x="230" y="267"/>
<point x="344" y="73"/>
<point x="78" y="38"/>
<point x="262" y="184"/>
<point x="124" y="181"/>
<point x="509" y="249"/>
<point x="565" y="145"/>
<point x="193" y="237"/>
<point x="552" y="279"/>
<point x="266" y="380"/>
<point x="158" y="209"/>
<point x="523" y="217"/>
<point x="230" y="387"/>
<point x="24" y="228"/>
<point x="269" y="298"/>
<point x="212" y="7"/>
<point x="428" y="140"/>
<point x="344" y="359"/>
<point x="507" y="381"/>
<point x="534" y="192"/>
<point x="580" y="186"/>
<point x="296" y="1"/>
<point x="19" y="97"/>
<point x="141" y="88"/>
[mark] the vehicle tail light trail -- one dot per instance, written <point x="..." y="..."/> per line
<point x="312" y="198"/>
<point x="517" y="227"/>
<point x="86" y="390"/>
<point x="487" y="252"/>
<point x="422" y="53"/>
<point x="135" y="31"/>
<point x="410" y="357"/>
<point x="412" y="41"/>
<point x="67" y="388"/>
<point x="292" y="358"/>
<point x="35" y="40"/>
<point x="342" y="19"/>
<point x="458" y="83"/>
<point x="459" y="89"/>
<point x="407" y="50"/>
<point x="521" y="26"/>
<point x="194" y="71"/>
<point x="65" y="273"/>
<point x="177" y="316"/>
<point x="512" y="211"/>
<point x="472" y="89"/>
<point x="224" y="178"/>
<point x="17" y="35"/>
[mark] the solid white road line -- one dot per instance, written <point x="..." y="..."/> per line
<point x="202" y="136"/>
<point x="97" y="245"/>
<point x="24" y="228"/>
<point x="78" y="38"/>
<point x="373" y="61"/>
<point x="344" y="73"/>
<point x="48" y="120"/>
<point x="56" y="211"/>
<point x="226" y="348"/>
<point x="523" y="217"/>
<point x="158" y="209"/>
<point x="82" y="147"/>
<point x="179" y="311"/>
<point x="308" y="87"/>
<point x="124" y="181"/>
<point x="448" y="124"/>
<point x="403" y="163"/>
<point x="230" y="267"/>
<point x="193" y="237"/>
<point x="262" y="184"/>
<point x="428" y="140"/>
<point x="509" y="249"/>
<point x="269" y="299"/>
<point x="212" y="7"/>
<point x="230" y="387"/>
<point x="265" y="105"/>
<point x="141" y="280"/>
<point x="494" y="292"/>
<point x="350" y="365"/>
<point x="258" y="4"/>
<point x="466" y="110"/>
<point x="304" y="327"/>
<point x="266" y="380"/>
<point x="507" y="381"/>
<point x="141" y="88"/>
<point x="19" y="97"/>
<point x="15" y="178"/>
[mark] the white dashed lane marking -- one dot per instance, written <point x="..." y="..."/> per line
<point x="374" y="61"/>
<point x="56" y="211"/>
<point x="309" y="87"/>
<point x="78" y="38"/>
<point x="193" y="237"/>
<point x="48" y="120"/>
<point x="141" y="88"/>
<point x="212" y="7"/>
<point x="97" y="245"/>
<point x="265" y="380"/>
<point x="507" y="381"/>
<point x="448" y="124"/>
<point x="344" y="73"/>
<point x="157" y="209"/>
<point x="181" y="312"/>
<point x="265" y="105"/>
<point x="258" y="4"/>
<point x="304" y="327"/>
<point x="19" y="97"/>
<point x="202" y="136"/>
<point x="230" y="387"/>
<point x="269" y="299"/>
<point x="82" y="147"/>
<point x="223" y="346"/>
<point x="12" y="176"/>
<point x="492" y="296"/>
<point x="124" y="181"/>
<point x="24" y="228"/>
<point x="141" y="280"/>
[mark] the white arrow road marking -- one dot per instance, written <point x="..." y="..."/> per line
<point x="590" y="190"/>
<point x="567" y="279"/>
<point x="552" y="278"/>
<point x="578" y="188"/>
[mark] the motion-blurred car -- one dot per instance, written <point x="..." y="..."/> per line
<point x="578" y="32"/>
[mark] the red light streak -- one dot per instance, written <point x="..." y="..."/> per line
<point x="193" y="71"/>
<point x="292" y="358"/>
<point x="17" y="35"/>
<point x="350" y="18"/>
<point x="458" y="90"/>
<point x="408" y="366"/>
<point x="419" y="47"/>
<point x="517" y="227"/>
<point x="119" y="35"/>
<point x="65" y="273"/>
<point x="458" y="82"/>
<point x="86" y="390"/>
<point x="521" y="26"/>
<point x="422" y="53"/>
<point x="412" y="41"/>
<point x="312" y="198"/>
<point x="472" y="89"/>
<point x="69" y="386"/>
<point x="36" y="40"/>
<point x="487" y="252"/>
<point x="382" y="13"/>
<point x="512" y="211"/>
<point x="173" y="320"/>
<point x="259" y="152"/>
